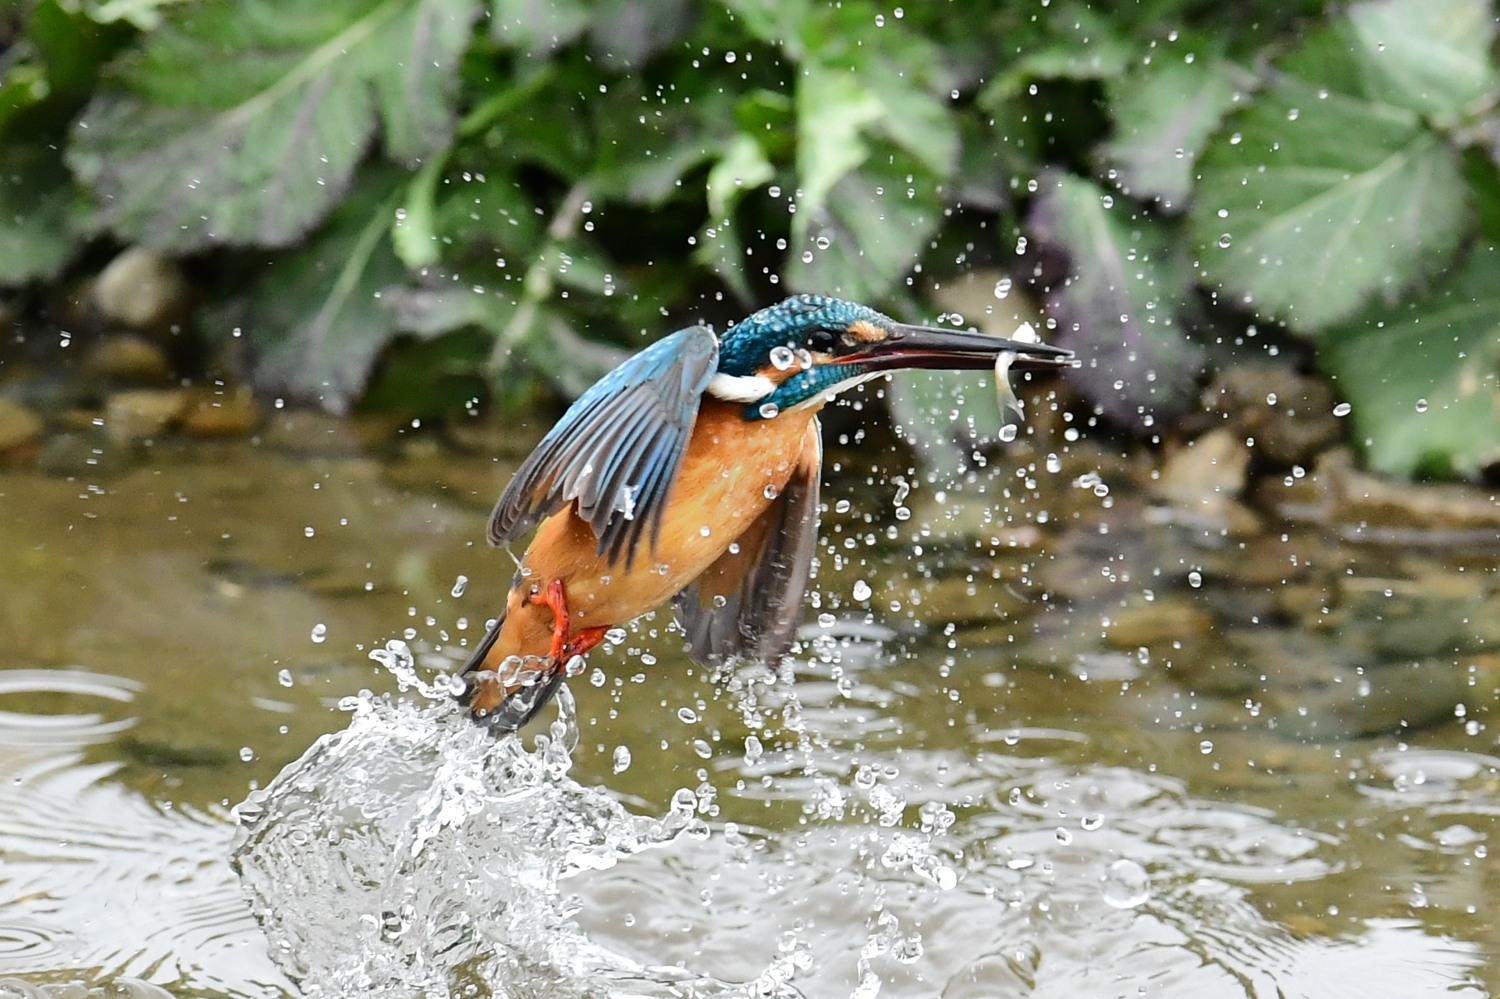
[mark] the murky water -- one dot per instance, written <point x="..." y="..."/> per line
<point x="1087" y="751"/>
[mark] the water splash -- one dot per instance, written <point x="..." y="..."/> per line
<point x="416" y="853"/>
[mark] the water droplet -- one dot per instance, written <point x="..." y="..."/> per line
<point x="1126" y="884"/>
<point x="284" y="678"/>
<point x="1002" y="287"/>
<point x="769" y="410"/>
<point x="319" y="632"/>
<point x="862" y="590"/>
<point x="1206" y="747"/>
<point x="1421" y="405"/>
<point x="247" y="754"/>
<point x="1008" y="432"/>
<point x="770" y="492"/>
<point x="1342" y="409"/>
<point x="1089" y="823"/>
<point x="308" y="532"/>
<point x="1225" y="240"/>
<point x="687" y="715"/>
<point x="459" y="585"/>
<point x="782" y="357"/>
<point x="1195" y="579"/>
<point x="622" y="759"/>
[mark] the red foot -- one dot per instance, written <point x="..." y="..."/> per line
<point x="565" y="645"/>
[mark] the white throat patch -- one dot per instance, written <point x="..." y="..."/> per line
<point x="740" y="388"/>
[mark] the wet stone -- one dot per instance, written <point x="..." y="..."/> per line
<point x="1377" y="701"/>
<point x="1289" y="416"/>
<point x="141" y="289"/>
<point x="20" y="428"/>
<point x="141" y="413"/>
<point x="1399" y="618"/>
<point x="128" y="358"/>
<point x="1373" y="507"/>
<point x="1157" y="624"/>
<point x="1203" y="481"/>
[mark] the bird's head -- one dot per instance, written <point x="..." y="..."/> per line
<point x="809" y="348"/>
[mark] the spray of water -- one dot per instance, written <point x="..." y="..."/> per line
<point x="414" y="853"/>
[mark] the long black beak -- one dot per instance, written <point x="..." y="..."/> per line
<point x="926" y="347"/>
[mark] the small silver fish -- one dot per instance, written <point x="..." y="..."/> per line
<point x="1004" y="394"/>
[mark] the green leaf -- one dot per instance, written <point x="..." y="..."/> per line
<point x="414" y="235"/>
<point x="38" y="208"/>
<point x="833" y="107"/>
<point x="143" y="14"/>
<point x="1424" y="380"/>
<point x="1314" y="203"/>
<point x="1164" y="113"/>
<point x="317" y="319"/>
<point x="742" y="168"/>
<point x="871" y="231"/>
<point x="538" y="27"/>
<point x="1118" y="309"/>
<point x="242" y="123"/>
<point x="1431" y="56"/>
<point x="1079" y="43"/>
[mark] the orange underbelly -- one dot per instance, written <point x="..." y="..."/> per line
<point x="731" y="471"/>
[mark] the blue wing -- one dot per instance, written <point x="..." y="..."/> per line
<point x="747" y="604"/>
<point x="617" y="450"/>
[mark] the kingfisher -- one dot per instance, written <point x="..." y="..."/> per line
<point x="691" y="473"/>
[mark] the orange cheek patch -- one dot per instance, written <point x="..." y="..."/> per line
<point x="866" y="332"/>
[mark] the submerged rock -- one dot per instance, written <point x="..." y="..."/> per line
<point x="141" y="413"/>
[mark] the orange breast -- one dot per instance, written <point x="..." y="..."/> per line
<point x="731" y="471"/>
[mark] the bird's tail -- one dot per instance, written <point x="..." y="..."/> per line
<point x="506" y="692"/>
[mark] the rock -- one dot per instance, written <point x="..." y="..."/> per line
<point x="142" y="290"/>
<point x="1370" y="507"/>
<point x="221" y="413"/>
<point x="1288" y="416"/>
<point x="125" y="357"/>
<point x="1157" y="624"/>
<point x="141" y="413"/>
<point x="20" y="428"/>
<point x="1203" y="481"/>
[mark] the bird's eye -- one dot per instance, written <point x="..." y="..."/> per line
<point x="822" y="340"/>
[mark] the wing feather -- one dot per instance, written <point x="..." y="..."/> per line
<point x="748" y="603"/>
<point x="617" y="451"/>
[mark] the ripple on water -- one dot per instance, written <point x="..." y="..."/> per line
<point x="32" y="729"/>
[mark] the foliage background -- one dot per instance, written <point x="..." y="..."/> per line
<point x="441" y="204"/>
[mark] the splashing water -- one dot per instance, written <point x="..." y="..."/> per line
<point x="416" y="853"/>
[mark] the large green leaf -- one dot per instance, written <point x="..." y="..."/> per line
<point x="1318" y="203"/>
<point x="1432" y="56"/>
<point x="316" y="319"/>
<point x="1324" y="195"/>
<point x="1424" y="380"/>
<point x="1164" y="112"/>
<point x="242" y="123"/>
<point x="872" y="229"/>
<point x="1118" y="306"/>
<point x="38" y="235"/>
<point x="834" y="106"/>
